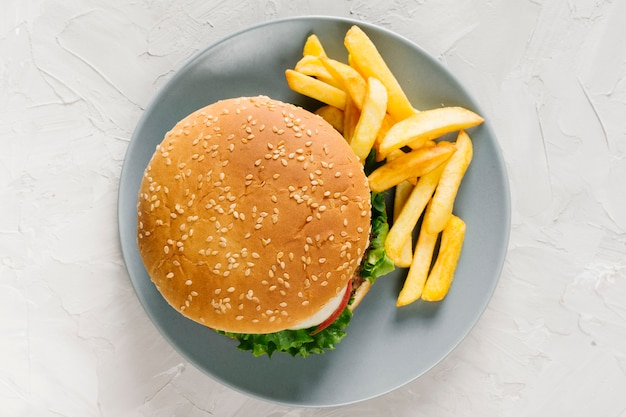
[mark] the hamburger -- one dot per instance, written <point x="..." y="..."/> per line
<point x="254" y="219"/>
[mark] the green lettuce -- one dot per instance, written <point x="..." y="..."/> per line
<point x="295" y="342"/>
<point x="376" y="263"/>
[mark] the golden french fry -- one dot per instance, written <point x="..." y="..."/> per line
<point x="313" y="46"/>
<point x="440" y="208"/>
<point x="441" y="276"/>
<point x="351" y="117"/>
<point x="312" y="66"/>
<point x="428" y="143"/>
<point x="413" y="164"/>
<point x="332" y="115"/>
<point x="353" y="64"/>
<point x="402" y="229"/>
<point x="388" y="122"/>
<point x="372" y="115"/>
<point x="403" y="256"/>
<point x="351" y="80"/>
<point x="418" y="271"/>
<point x="426" y="125"/>
<point x="316" y="89"/>
<point x="393" y="155"/>
<point x="370" y="63"/>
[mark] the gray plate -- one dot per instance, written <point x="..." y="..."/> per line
<point x="386" y="347"/>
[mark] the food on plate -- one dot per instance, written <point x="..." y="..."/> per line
<point x="332" y="115"/>
<point x="370" y="120"/>
<point x="412" y="164"/>
<point x="312" y="66"/>
<point x="254" y="219"/>
<point x="313" y="46"/>
<point x="365" y="56"/>
<point x="409" y="214"/>
<point x="439" y="210"/>
<point x="317" y="89"/>
<point x="404" y="254"/>
<point x="417" y="129"/>
<point x="349" y="78"/>
<point x="419" y="268"/>
<point x="442" y="274"/>
<point x="404" y="151"/>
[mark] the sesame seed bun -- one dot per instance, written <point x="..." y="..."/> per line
<point x="253" y="215"/>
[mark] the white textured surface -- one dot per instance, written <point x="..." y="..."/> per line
<point x="75" y="76"/>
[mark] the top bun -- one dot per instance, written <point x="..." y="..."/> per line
<point x="253" y="214"/>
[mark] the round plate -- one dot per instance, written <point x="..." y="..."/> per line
<point x="386" y="347"/>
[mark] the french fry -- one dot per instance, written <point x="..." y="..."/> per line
<point x="388" y="122"/>
<point x="395" y="154"/>
<point x="403" y="226"/>
<point x="353" y="83"/>
<point x="370" y="63"/>
<point x="414" y="164"/>
<point x="418" y="271"/>
<point x="312" y="66"/>
<point x="351" y="117"/>
<point x="332" y="115"/>
<point x="426" y="125"/>
<point x="316" y="89"/>
<point x="372" y="115"/>
<point x="440" y="208"/>
<point x="441" y="276"/>
<point x="402" y="257"/>
<point x="313" y="46"/>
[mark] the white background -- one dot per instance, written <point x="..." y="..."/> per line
<point x="75" y="77"/>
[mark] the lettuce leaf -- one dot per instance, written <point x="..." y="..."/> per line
<point x="295" y="342"/>
<point x="376" y="263"/>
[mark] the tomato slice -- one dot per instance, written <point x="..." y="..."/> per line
<point x="336" y="313"/>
